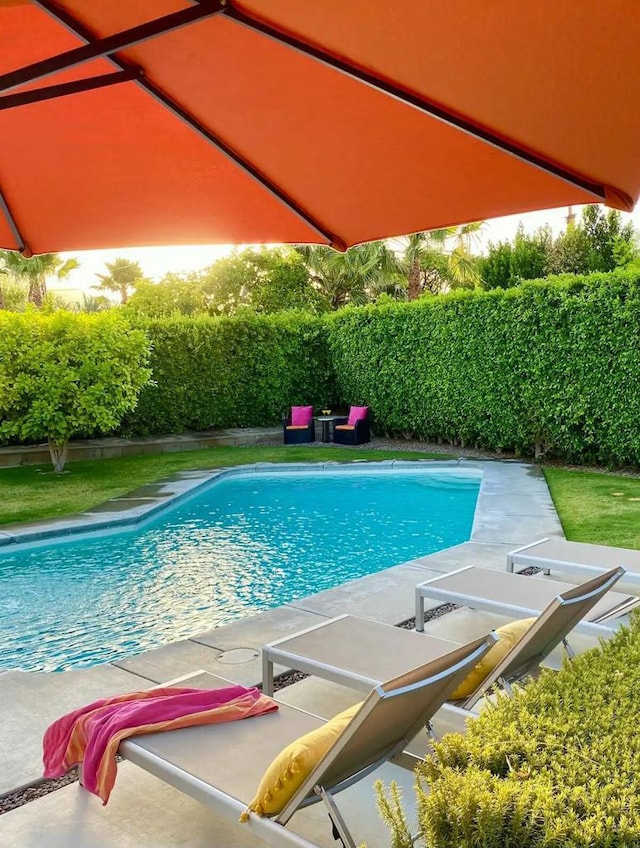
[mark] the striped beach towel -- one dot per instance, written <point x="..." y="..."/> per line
<point x="90" y="735"/>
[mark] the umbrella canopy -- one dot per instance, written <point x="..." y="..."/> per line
<point x="327" y="121"/>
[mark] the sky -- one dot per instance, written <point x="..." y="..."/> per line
<point x="157" y="261"/>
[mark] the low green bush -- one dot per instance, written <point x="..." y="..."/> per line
<point x="63" y="376"/>
<point x="558" y="764"/>
<point x="232" y="372"/>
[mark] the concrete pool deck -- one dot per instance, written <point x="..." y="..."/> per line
<point x="514" y="508"/>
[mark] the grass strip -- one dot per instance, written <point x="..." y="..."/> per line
<point x="34" y="492"/>
<point x="603" y="509"/>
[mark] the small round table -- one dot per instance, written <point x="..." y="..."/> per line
<point x="326" y="426"/>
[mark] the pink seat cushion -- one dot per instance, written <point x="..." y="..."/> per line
<point x="301" y="415"/>
<point x="357" y="413"/>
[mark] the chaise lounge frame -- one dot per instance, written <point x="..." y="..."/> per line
<point x="392" y="714"/>
<point x="325" y="658"/>
<point x="515" y="595"/>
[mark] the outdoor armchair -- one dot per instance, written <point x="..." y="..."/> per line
<point x="299" y="426"/>
<point x="354" y="428"/>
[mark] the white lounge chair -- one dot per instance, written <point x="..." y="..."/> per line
<point x="353" y="651"/>
<point x="221" y="765"/>
<point x="517" y="595"/>
<point x="576" y="557"/>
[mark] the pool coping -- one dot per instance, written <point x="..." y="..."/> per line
<point x="134" y="508"/>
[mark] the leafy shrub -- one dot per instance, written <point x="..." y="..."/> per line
<point x="230" y="372"/>
<point x="558" y="764"/>
<point x="552" y="365"/>
<point x="66" y="375"/>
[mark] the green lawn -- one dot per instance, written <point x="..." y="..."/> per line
<point x="34" y="492"/>
<point x="593" y="507"/>
<point x="603" y="509"/>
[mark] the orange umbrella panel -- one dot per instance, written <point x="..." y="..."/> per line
<point x="171" y="122"/>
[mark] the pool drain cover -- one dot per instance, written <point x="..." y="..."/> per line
<point x="238" y="655"/>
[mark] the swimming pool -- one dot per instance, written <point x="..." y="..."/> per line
<point x="243" y="543"/>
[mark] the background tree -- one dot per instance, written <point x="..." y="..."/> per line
<point x="175" y="294"/>
<point x="530" y="254"/>
<point x="606" y="236"/>
<point x="439" y="260"/>
<point x="93" y="303"/>
<point x="13" y="294"/>
<point x="266" y="281"/>
<point x="569" y="252"/>
<point x="123" y="277"/>
<point x="508" y="264"/>
<point x="35" y="271"/>
<point x="598" y="242"/>
<point x="66" y="375"/>
<point x="495" y="267"/>
<point x="354" y="277"/>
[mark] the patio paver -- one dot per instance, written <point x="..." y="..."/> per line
<point x="385" y="596"/>
<point x="32" y="700"/>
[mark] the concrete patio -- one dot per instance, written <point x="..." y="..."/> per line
<point x="514" y="508"/>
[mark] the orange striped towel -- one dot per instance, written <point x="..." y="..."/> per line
<point x="91" y="735"/>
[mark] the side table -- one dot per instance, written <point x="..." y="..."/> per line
<point x="327" y="420"/>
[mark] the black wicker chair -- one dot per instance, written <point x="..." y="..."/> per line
<point x="351" y="434"/>
<point x="298" y="434"/>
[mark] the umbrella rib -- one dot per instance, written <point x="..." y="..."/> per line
<point x="50" y="92"/>
<point x="15" y="232"/>
<point x="77" y="28"/>
<point x="101" y="47"/>
<point x="422" y="104"/>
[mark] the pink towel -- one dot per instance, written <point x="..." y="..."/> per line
<point x="91" y="734"/>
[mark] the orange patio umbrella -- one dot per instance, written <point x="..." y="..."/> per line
<point x="329" y="121"/>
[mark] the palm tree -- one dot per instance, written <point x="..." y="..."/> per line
<point x="122" y="278"/>
<point x="353" y="277"/>
<point x="440" y="259"/>
<point x="35" y="271"/>
<point x="93" y="303"/>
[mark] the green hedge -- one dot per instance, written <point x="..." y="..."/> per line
<point x="230" y="372"/>
<point x="556" y="765"/>
<point x="550" y="366"/>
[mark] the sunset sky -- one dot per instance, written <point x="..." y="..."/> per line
<point x="156" y="261"/>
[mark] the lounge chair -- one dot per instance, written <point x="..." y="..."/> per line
<point x="221" y="765"/>
<point x="576" y="557"/>
<point x="516" y="595"/>
<point x="351" y="651"/>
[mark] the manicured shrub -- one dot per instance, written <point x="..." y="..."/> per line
<point x="550" y="366"/>
<point x="65" y="375"/>
<point x="556" y="765"/>
<point x="231" y="372"/>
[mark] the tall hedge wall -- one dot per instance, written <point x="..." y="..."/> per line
<point x="223" y="372"/>
<point x="550" y="366"/>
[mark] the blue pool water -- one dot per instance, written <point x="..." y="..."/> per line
<point x="242" y="544"/>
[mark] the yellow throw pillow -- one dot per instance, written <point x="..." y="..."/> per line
<point x="294" y="764"/>
<point x="508" y="635"/>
